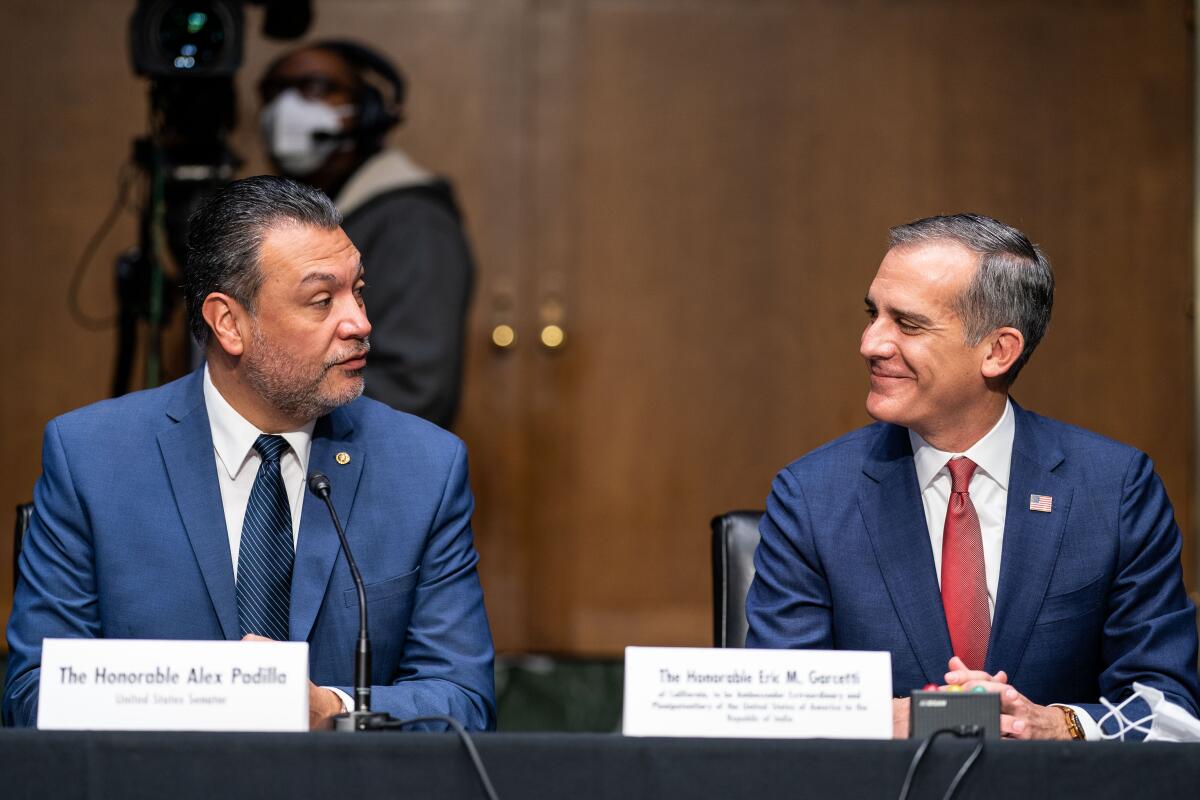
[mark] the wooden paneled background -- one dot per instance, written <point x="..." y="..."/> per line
<point x="697" y="192"/>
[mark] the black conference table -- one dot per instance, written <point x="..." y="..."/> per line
<point x="180" y="766"/>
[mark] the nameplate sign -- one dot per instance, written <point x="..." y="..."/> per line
<point x="768" y="694"/>
<point x="170" y="685"/>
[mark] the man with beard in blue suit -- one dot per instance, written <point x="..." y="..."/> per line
<point x="181" y="512"/>
<point x="979" y="543"/>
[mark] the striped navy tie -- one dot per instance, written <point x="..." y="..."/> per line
<point x="265" y="555"/>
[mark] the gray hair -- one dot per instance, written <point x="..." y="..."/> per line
<point x="226" y="233"/>
<point x="1013" y="286"/>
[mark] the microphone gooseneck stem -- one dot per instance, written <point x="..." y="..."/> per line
<point x="362" y="652"/>
<point x="362" y="674"/>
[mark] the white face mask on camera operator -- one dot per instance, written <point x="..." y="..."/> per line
<point x="301" y="134"/>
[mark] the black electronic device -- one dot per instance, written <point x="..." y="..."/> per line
<point x="932" y="711"/>
<point x="204" y="38"/>
<point x="186" y="38"/>
<point x="189" y="51"/>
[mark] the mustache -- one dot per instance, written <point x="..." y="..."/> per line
<point x="360" y="349"/>
<point x="882" y="369"/>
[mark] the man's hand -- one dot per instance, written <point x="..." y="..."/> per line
<point x="1020" y="717"/>
<point x="959" y="675"/>
<point x="323" y="704"/>
<point x="900" y="707"/>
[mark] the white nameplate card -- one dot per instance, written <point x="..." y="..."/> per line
<point x="171" y="685"/>
<point x="765" y="694"/>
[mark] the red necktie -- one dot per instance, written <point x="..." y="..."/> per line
<point x="964" y="582"/>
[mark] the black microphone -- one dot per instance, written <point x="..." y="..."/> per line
<point x="335" y="136"/>
<point x="361" y="718"/>
<point x="356" y="132"/>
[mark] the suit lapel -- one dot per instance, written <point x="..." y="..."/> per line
<point x="1031" y="540"/>
<point x="890" y="502"/>
<point x="187" y="452"/>
<point x="317" y="547"/>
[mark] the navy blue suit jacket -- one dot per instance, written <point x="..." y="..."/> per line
<point x="128" y="540"/>
<point x="1091" y="595"/>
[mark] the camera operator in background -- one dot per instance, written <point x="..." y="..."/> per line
<point x="324" y="121"/>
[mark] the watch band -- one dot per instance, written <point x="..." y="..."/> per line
<point x="1073" y="727"/>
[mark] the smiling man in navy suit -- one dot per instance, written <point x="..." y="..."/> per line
<point x="977" y="542"/>
<point x="181" y="512"/>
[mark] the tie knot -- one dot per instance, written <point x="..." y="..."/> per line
<point x="961" y="470"/>
<point x="270" y="447"/>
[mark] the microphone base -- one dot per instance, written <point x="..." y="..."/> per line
<point x="360" y="721"/>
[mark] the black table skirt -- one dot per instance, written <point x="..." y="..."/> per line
<point x="180" y="766"/>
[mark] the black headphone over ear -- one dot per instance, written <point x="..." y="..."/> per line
<point x="375" y="116"/>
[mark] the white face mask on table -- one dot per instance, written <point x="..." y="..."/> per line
<point x="292" y="126"/>
<point x="1166" y="722"/>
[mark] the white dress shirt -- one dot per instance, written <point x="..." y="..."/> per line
<point x="238" y="462"/>
<point x="237" y="466"/>
<point x="989" y="493"/>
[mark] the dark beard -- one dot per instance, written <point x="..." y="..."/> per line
<point x="296" y="392"/>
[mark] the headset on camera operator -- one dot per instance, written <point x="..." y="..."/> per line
<point x="327" y="108"/>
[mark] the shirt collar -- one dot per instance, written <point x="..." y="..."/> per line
<point x="992" y="453"/>
<point x="234" y="436"/>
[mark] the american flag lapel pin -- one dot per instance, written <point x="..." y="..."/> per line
<point x="1041" y="502"/>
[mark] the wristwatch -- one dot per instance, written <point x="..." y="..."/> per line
<point x="1073" y="727"/>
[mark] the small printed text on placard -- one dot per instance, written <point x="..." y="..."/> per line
<point x="766" y="695"/>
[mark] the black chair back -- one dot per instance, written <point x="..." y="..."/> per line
<point x="24" y="512"/>
<point x="734" y="540"/>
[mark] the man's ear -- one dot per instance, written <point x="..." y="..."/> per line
<point x="228" y="322"/>
<point x="1004" y="347"/>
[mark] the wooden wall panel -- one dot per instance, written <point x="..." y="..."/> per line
<point x="71" y="108"/>
<point x="736" y="167"/>
<point x="701" y="190"/>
